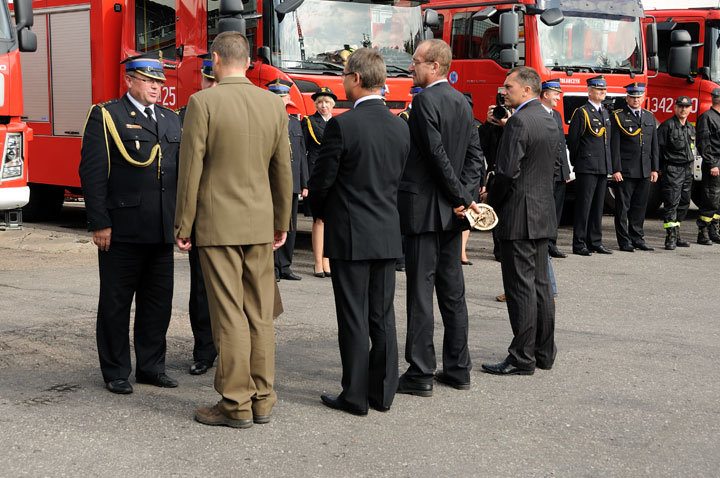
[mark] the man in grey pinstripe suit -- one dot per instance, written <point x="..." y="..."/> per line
<point x="522" y="194"/>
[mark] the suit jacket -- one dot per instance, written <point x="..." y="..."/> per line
<point x="354" y="185"/>
<point x="445" y="162"/>
<point x="522" y="193"/>
<point x="298" y="155"/>
<point x="635" y="154"/>
<point x="234" y="182"/>
<point x="137" y="202"/>
<point x="590" y="149"/>
<point x="562" y="168"/>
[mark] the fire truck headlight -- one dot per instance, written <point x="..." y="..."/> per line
<point x="12" y="165"/>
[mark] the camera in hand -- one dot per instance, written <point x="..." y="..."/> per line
<point x="500" y="111"/>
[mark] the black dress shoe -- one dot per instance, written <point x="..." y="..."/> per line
<point x="376" y="406"/>
<point x="199" y="368"/>
<point x="290" y="276"/>
<point x="410" y="387"/>
<point x="327" y="274"/>
<point x="601" y="250"/>
<point x="399" y="268"/>
<point x="338" y="403"/>
<point x="444" y="378"/>
<point x="582" y="252"/>
<point x="543" y="367"/>
<point x="557" y="254"/>
<point x="627" y="248"/>
<point x="319" y="274"/>
<point x="644" y="247"/>
<point x="119" y="386"/>
<point x="466" y="263"/>
<point x="505" y="368"/>
<point x="159" y="380"/>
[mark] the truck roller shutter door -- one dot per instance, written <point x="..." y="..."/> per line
<point x="35" y="79"/>
<point x="71" y="75"/>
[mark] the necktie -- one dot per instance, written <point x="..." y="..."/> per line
<point x="149" y="114"/>
<point x="637" y="114"/>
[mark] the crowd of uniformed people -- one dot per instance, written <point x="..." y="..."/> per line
<point x="129" y="175"/>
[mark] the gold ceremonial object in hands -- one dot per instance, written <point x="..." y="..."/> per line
<point x="486" y="220"/>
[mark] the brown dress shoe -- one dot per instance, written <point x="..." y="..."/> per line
<point x="213" y="416"/>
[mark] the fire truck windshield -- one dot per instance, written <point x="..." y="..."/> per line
<point x="712" y="44"/>
<point x="321" y="34"/>
<point x="592" y="44"/>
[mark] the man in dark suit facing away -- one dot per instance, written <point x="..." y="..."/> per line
<point x="438" y="184"/>
<point x="353" y="188"/>
<point x="522" y="194"/>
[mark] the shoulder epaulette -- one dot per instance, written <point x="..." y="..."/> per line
<point x="105" y="103"/>
<point x="177" y="111"/>
<point x="617" y="110"/>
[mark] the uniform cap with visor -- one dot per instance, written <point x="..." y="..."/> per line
<point x="683" y="101"/>
<point x="324" y="91"/>
<point x="635" y="90"/>
<point x="206" y="68"/>
<point x="148" y="64"/>
<point x="597" y="82"/>
<point x="552" y="84"/>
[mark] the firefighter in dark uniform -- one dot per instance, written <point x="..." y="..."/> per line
<point x="551" y="93"/>
<point x="204" y="352"/>
<point x="313" y="131"/>
<point x="708" y="143"/>
<point x="128" y="171"/>
<point x="298" y="163"/>
<point x="676" y="140"/>
<point x="591" y="155"/>
<point x="635" y="151"/>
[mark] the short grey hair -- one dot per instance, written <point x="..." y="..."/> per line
<point x="369" y="65"/>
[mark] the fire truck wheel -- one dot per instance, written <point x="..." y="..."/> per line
<point x="46" y="202"/>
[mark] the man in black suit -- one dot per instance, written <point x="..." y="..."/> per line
<point x="298" y="162"/>
<point x="438" y="184"/>
<point x="353" y="188"/>
<point x="128" y="171"/>
<point x="522" y="194"/>
<point x="637" y="160"/>
<point x="551" y="93"/>
<point x="589" y="142"/>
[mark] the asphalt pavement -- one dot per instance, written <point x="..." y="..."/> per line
<point x="632" y="393"/>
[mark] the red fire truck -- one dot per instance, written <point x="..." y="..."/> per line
<point x="572" y="40"/>
<point x="14" y="134"/>
<point x="694" y="31"/>
<point x="81" y="43"/>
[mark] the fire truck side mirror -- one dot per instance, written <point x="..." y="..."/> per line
<point x="288" y="6"/>
<point x="23" y="14"/>
<point x="509" y="29"/>
<point x="552" y="17"/>
<point x="232" y="19"/>
<point x="651" y="40"/>
<point x="509" y="57"/>
<point x="680" y="58"/>
<point x="27" y="41"/>
<point x="431" y="19"/>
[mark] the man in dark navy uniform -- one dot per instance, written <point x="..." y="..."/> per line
<point x="708" y="138"/>
<point x="676" y="140"/>
<point x="128" y="171"/>
<point x="636" y="160"/>
<point x="204" y="352"/>
<point x="551" y="93"/>
<point x="298" y="163"/>
<point x="591" y="155"/>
